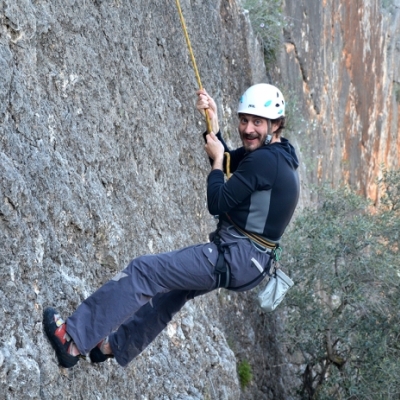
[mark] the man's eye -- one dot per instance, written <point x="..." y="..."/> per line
<point x="257" y="122"/>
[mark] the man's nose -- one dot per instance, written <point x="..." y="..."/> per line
<point x="249" y="127"/>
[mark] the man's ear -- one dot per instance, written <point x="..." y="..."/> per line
<point x="275" y="126"/>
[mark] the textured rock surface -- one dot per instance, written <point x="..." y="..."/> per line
<point x="342" y="60"/>
<point x="101" y="160"/>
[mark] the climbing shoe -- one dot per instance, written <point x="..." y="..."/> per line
<point x="55" y="329"/>
<point x="97" y="356"/>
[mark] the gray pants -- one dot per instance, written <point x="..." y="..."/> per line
<point x="121" y="307"/>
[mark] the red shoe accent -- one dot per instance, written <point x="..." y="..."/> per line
<point x="61" y="332"/>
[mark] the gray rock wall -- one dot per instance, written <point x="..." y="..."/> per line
<point x="101" y="160"/>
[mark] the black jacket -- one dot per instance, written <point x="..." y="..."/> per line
<point x="263" y="191"/>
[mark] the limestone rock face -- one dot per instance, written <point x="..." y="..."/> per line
<point x="102" y="160"/>
<point x="341" y="61"/>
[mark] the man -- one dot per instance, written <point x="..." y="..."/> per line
<point x="254" y="206"/>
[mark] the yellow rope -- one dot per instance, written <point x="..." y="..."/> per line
<point x="254" y="237"/>
<point x="227" y="164"/>
<point x="196" y="71"/>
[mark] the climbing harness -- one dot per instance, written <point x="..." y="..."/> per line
<point x="258" y="239"/>
<point x="196" y="71"/>
<point x="222" y="268"/>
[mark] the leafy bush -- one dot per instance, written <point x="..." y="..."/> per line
<point x="268" y="22"/>
<point x="343" y="313"/>
<point x="245" y="374"/>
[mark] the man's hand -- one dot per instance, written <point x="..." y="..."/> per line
<point x="215" y="151"/>
<point x="205" y="102"/>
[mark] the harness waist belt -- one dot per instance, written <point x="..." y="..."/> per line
<point x="254" y="237"/>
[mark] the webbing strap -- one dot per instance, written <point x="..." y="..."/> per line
<point x="222" y="268"/>
<point x="255" y="238"/>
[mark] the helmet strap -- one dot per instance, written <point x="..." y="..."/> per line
<point x="269" y="136"/>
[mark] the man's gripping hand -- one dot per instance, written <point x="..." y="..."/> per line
<point x="215" y="151"/>
<point x="205" y="102"/>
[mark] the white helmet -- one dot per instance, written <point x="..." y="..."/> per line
<point x="263" y="100"/>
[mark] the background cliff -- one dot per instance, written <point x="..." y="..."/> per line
<point x="102" y="160"/>
<point x="341" y="61"/>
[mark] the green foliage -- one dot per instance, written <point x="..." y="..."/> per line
<point x="294" y="117"/>
<point x="390" y="201"/>
<point x="387" y="4"/>
<point x="296" y="123"/>
<point x="343" y="315"/>
<point x="245" y="373"/>
<point x="267" y="21"/>
<point x="396" y="89"/>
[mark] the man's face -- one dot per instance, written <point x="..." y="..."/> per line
<point x="253" y="131"/>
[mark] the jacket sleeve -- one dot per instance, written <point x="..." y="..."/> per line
<point x="255" y="172"/>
